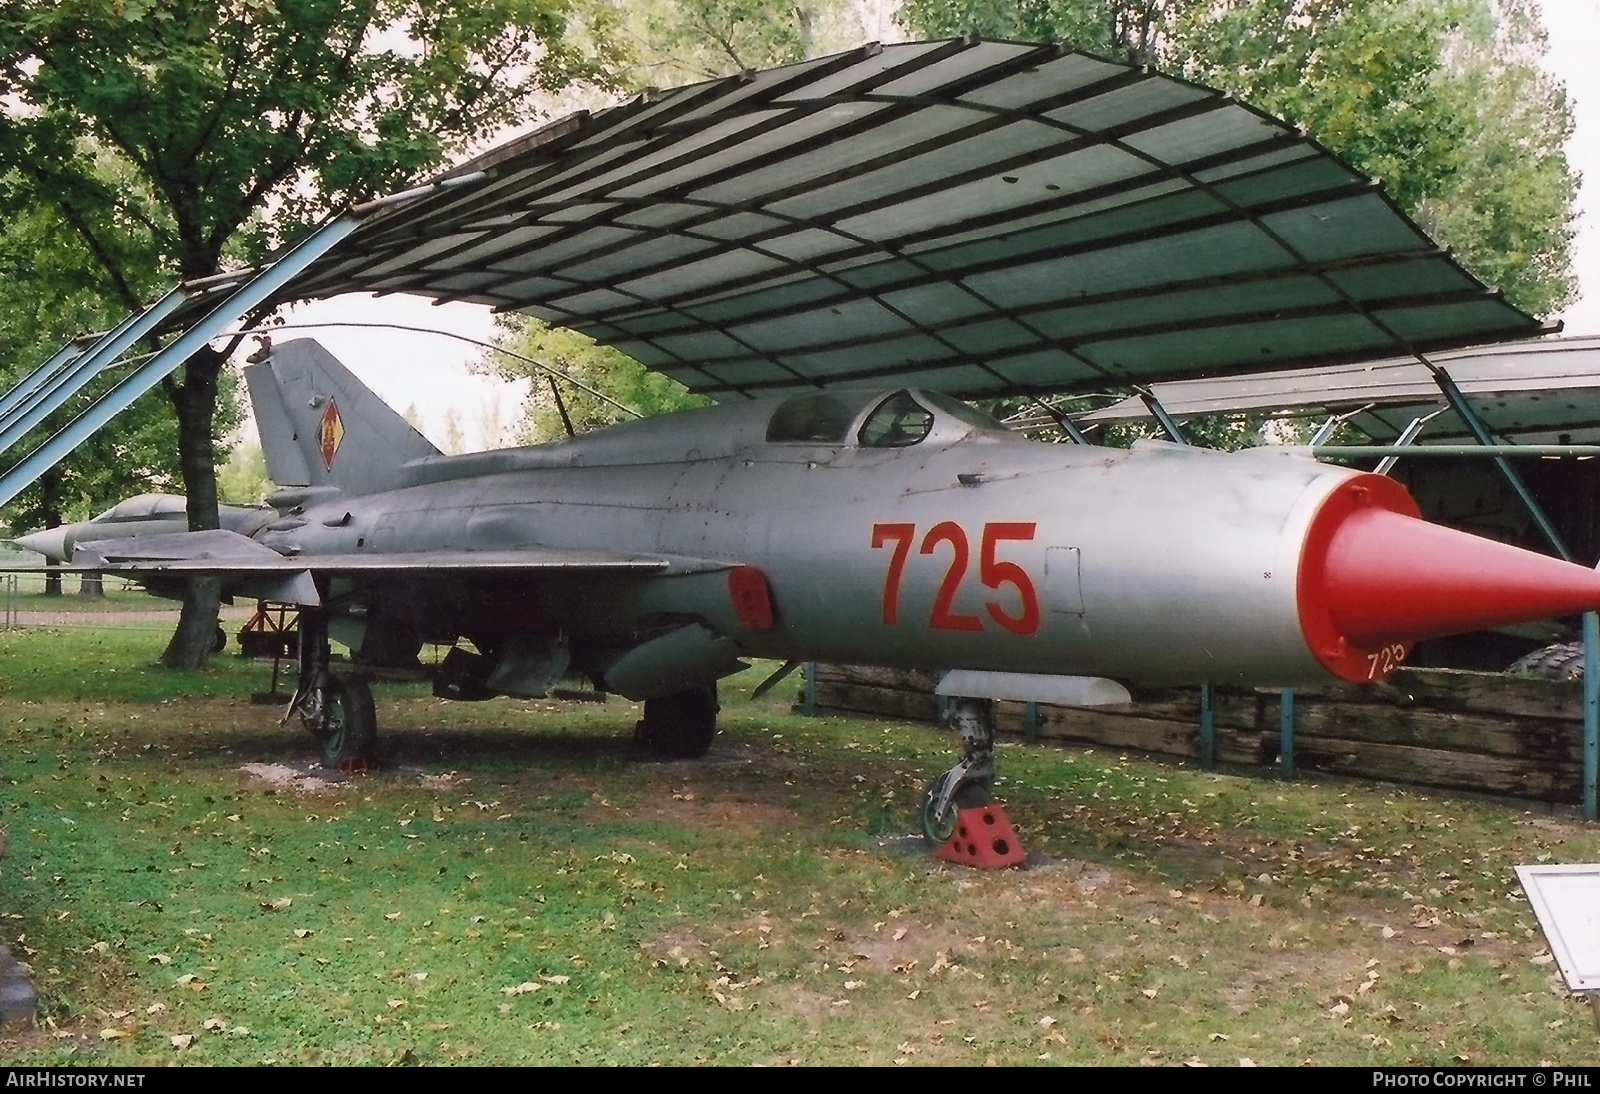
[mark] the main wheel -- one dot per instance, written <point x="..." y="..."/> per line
<point x="351" y="724"/>
<point x="969" y="796"/>
<point x="680" y="726"/>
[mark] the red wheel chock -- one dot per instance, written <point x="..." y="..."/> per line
<point x="983" y="839"/>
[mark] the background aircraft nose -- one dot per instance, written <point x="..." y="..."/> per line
<point x="50" y="542"/>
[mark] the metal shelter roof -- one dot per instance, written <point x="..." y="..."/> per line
<point x="980" y="218"/>
<point x="1545" y="392"/>
<point x="974" y="217"/>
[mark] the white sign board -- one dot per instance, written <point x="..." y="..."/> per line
<point x="1567" y="901"/>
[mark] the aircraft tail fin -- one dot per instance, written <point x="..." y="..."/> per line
<point x="321" y="426"/>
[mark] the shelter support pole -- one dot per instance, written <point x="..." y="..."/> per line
<point x="1591" y="715"/>
<point x="1407" y="435"/>
<point x="1480" y="432"/>
<point x="1168" y="424"/>
<point x="809" y="700"/>
<point x="45" y="398"/>
<point x="1030" y="721"/>
<point x="1070" y="428"/>
<point x="1208" y="729"/>
<point x="1286" y="732"/>
<point x="39" y="377"/>
<point x="254" y="292"/>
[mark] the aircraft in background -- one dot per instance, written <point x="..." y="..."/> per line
<point x="141" y="515"/>
<point x="887" y="526"/>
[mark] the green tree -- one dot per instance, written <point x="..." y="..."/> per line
<point x="599" y="367"/>
<point x="50" y="290"/>
<point x="1443" y="100"/>
<point x="670" y="42"/>
<point x="243" y="478"/>
<point x="235" y="125"/>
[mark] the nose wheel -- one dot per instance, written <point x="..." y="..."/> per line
<point x="969" y="783"/>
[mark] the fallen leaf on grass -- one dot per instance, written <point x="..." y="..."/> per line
<point x="521" y="989"/>
<point x="115" y="1034"/>
<point x="277" y="905"/>
<point x="301" y="932"/>
<point x="181" y="1041"/>
<point x="1149" y="993"/>
<point x="159" y="959"/>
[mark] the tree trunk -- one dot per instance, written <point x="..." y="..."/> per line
<point x="195" y="401"/>
<point x="50" y="505"/>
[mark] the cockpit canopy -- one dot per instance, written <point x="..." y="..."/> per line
<point x="871" y="420"/>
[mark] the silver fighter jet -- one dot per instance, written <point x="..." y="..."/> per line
<point x="894" y="527"/>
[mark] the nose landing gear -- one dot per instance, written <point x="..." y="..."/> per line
<point x="969" y="783"/>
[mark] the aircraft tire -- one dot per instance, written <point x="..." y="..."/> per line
<point x="969" y="796"/>
<point x="352" y="723"/>
<point x="680" y="726"/>
<point x="219" y="641"/>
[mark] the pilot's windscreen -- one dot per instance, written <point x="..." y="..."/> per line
<point x="819" y="418"/>
<point x="898" y="422"/>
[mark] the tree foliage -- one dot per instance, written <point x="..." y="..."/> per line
<point x="232" y="126"/>
<point x="50" y="290"/>
<point x="600" y="367"/>
<point x="670" y="42"/>
<point x="1441" y="99"/>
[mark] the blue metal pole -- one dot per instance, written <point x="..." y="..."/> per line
<point x="38" y="377"/>
<point x="1286" y="732"/>
<point x="253" y="292"/>
<point x="1030" y="721"/>
<point x="1591" y="712"/>
<point x="1208" y="729"/>
<point x="1168" y="423"/>
<point x="32" y="410"/>
<point x="1480" y="432"/>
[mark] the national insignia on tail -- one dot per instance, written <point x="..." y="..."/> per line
<point x="332" y="433"/>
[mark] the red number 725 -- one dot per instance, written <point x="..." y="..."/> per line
<point x="992" y="572"/>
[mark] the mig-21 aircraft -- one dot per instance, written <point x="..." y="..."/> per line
<point x="838" y="252"/>
<point x="888" y="526"/>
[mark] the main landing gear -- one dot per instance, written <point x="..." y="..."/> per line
<point x="969" y="783"/>
<point x="337" y="711"/>
<point x="680" y="726"/>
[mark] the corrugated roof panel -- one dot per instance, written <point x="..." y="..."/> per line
<point x="1215" y="251"/>
<point x="1131" y="313"/>
<point x="1129" y="104"/>
<point x="855" y="320"/>
<point x="1048" y="79"/>
<point x="1181" y="141"/>
<point x="954" y="69"/>
<point x="876" y="182"/>
<point x="1421" y="278"/>
<point x="870" y="65"/>
<point x="1363" y="225"/>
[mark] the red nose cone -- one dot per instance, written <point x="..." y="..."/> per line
<point x="1374" y="579"/>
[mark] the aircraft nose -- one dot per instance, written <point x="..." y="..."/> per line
<point x="1375" y="578"/>
<point x="49" y="542"/>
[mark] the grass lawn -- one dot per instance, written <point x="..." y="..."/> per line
<point x="515" y="886"/>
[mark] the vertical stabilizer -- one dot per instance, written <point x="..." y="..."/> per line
<point x="320" y="426"/>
